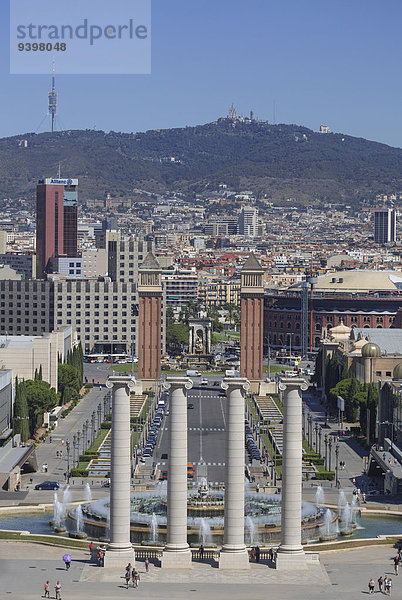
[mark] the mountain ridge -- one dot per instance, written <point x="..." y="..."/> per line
<point x="273" y="161"/>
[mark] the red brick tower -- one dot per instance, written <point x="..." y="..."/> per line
<point x="252" y="320"/>
<point x="149" y="319"/>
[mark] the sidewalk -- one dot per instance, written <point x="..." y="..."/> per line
<point x="66" y="428"/>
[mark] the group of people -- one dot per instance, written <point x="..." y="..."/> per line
<point x="57" y="589"/>
<point x="255" y="553"/>
<point x="100" y="554"/>
<point x="133" y="575"/>
<point x="384" y="585"/>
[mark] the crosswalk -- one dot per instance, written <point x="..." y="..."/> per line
<point x="206" y="429"/>
<point x="208" y="464"/>
<point x="203" y="428"/>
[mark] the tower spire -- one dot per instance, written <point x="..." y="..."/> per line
<point x="53" y="99"/>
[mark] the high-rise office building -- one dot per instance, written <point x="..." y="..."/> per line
<point x="385" y="225"/>
<point x="56" y="221"/>
<point x="248" y="221"/>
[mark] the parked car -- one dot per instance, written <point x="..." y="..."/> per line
<point x="190" y="405"/>
<point x="47" y="485"/>
<point x="190" y="470"/>
<point x="163" y="475"/>
<point x="204" y="381"/>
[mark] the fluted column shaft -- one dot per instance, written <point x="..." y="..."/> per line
<point x="177" y="552"/>
<point x="292" y="467"/>
<point x="234" y="553"/>
<point x="120" y="472"/>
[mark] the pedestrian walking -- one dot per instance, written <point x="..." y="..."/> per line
<point x="371" y="586"/>
<point x="127" y="577"/>
<point x="135" y="577"/>
<point x="389" y="587"/>
<point x="380" y="582"/>
<point x="57" y="589"/>
<point x="257" y="553"/>
<point x="47" y="589"/>
<point x="91" y="547"/>
<point x="147" y="564"/>
<point x="271" y="554"/>
<point x="386" y="584"/>
<point x="201" y="551"/>
<point x="396" y="564"/>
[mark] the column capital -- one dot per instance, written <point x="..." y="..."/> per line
<point x="294" y="382"/>
<point x="176" y="381"/>
<point x="241" y="383"/>
<point x="120" y="380"/>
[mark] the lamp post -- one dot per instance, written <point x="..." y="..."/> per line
<point x="99" y="415"/>
<point x="391" y="424"/>
<point x="78" y="445"/>
<point x="326" y="449"/>
<point x="93" y="428"/>
<point x="336" y="465"/>
<point x="316" y="436"/>
<point x="303" y="419"/>
<point x="319" y="439"/>
<point x="310" y="429"/>
<point x="329" y="453"/>
<point x="68" y="460"/>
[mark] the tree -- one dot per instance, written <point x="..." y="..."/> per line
<point x="41" y="398"/>
<point x="177" y="335"/>
<point x="169" y="316"/>
<point x="21" y="412"/>
<point x="68" y="377"/>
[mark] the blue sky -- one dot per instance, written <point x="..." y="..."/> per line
<point x="336" y="62"/>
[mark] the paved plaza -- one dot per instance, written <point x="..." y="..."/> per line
<point x="24" y="568"/>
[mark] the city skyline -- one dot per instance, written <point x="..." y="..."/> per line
<point x="307" y="66"/>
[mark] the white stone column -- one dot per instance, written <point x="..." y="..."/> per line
<point x="234" y="554"/>
<point x="177" y="554"/>
<point x="290" y="552"/>
<point x="120" y="551"/>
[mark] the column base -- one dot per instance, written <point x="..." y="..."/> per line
<point x="119" y="559"/>
<point x="177" y="559"/>
<point x="295" y="561"/>
<point x="234" y="559"/>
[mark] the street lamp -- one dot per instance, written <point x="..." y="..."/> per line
<point x="78" y="445"/>
<point x="93" y="418"/>
<point x="68" y="460"/>
<point x="316" y="436"/>
<point x="389" y="423"/>
<point x="329" y="454"/>
<point x="310" y="429"/>
<point x="326" y="449"/>
<point x="99" y="415"/>
<point x="336" y="465"/>
<point x="303" y="419"/>
<point x="319" y="439"/>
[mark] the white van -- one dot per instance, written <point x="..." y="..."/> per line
<point x="191" y="373"/>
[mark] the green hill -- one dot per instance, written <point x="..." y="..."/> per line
<point x="279" y="161"/>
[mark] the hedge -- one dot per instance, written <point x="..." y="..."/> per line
<point x="88" y="456"/>
<point x="78" y="473"/>
<point x="327" y="475"/>
<point x="106" y="425"/>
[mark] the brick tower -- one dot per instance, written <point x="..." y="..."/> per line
<point x="252" y="320"/>
<point x="149" y="319"/>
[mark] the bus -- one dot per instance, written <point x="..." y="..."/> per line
<point x="108" y="358"/>
<point x="292" y="361"/>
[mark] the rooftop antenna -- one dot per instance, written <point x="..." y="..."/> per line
<point x="53" y="100"/>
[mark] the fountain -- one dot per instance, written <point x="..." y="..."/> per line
<point x="319" y="496"/>
<point x="78" y="534"/>
<point x="346" y="520"/>
<point x="341" y="501"/>
<point x="88" y="493"/>
<point x="205" y="510"/>
<point x="328" y="531"/>
<point x="204" y="533"/>
<point x="154" y="528"/>
<point x="250" y="527"/>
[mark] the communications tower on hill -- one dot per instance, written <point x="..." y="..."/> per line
<point x="53" y="100"/>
